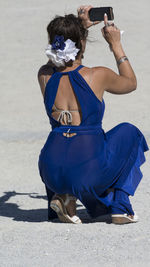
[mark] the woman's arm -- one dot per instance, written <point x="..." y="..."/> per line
<point x="122" y="83"/>
<point x="44" y="74"/>
<point x="41" y="83"/>
<point x="125" y="82"/>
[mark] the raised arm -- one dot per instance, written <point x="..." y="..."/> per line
<point x="125" y="82"/>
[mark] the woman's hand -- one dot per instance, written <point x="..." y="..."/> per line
<point x="83" y="13"/>
<point x="110" y="33"/>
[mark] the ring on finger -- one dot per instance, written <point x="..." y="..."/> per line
<point x="81" y="11"/>
<point x="109" y="24"/>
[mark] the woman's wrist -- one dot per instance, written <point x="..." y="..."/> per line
<point x="116" y="46"/>
<point x="85" y="24"/>
<point x="118" y="51"/>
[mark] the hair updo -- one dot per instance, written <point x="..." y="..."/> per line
<point x="70" y="27"/>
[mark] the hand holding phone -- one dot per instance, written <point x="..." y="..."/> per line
<point x="83" y="13"/>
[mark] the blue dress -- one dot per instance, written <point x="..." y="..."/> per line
<point x="93" y="163"/>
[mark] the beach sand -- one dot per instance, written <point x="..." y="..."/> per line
<point x="26" y="237"/>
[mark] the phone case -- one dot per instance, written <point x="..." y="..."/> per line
<point x="97" y="13"/>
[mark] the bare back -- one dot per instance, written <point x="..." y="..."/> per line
<point x="65" y="99"/>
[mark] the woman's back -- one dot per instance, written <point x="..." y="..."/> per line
<point x="65" y="97"/>
<point x="71" y="88"/>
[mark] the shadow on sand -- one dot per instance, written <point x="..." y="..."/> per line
<point x="12" y="210"/>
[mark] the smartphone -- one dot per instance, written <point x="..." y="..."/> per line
<point x="97" y="13"/>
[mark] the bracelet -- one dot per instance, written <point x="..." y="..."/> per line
<point x="122" y="59"/>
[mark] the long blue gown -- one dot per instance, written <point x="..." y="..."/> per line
<point x="93" y="163"/>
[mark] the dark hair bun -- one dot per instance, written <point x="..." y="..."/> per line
<point x="70" y="27"/>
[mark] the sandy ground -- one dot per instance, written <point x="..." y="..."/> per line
<point x="26" y="237"/>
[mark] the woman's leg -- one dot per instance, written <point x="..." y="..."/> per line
<point x="121" y="203"/>
<point x="51" y="213"/>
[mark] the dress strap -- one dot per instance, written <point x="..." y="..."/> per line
<point x="66" y="72"/>
<point x="79" y="67"/>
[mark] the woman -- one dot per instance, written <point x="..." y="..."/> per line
<point x="79" y="160"/>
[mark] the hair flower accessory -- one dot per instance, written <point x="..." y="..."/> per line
<point x="60" y="52"/>
<point x="58" y="43"/>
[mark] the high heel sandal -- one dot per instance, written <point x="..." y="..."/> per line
<point x="60" y="207"/>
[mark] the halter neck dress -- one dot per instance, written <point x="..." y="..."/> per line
<point x="93" y="163"/>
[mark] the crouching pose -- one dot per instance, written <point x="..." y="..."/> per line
<point x="79" y="160"/>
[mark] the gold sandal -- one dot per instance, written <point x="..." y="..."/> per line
<point x="59" y="206"/>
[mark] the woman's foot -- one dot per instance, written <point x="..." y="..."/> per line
<point x="70" y="204"/>
<point x="65" y="207"/>
<point x="124" y="218"/>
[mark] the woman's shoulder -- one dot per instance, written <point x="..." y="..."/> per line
<point x="96" y="69"/>
<point x="97" y="72"/>
<point x="44" y="73"/>
<point x="46" y="69"/>
<point x="100" y="69"/>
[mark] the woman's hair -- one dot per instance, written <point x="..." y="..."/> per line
<point x="70" y="27"/>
